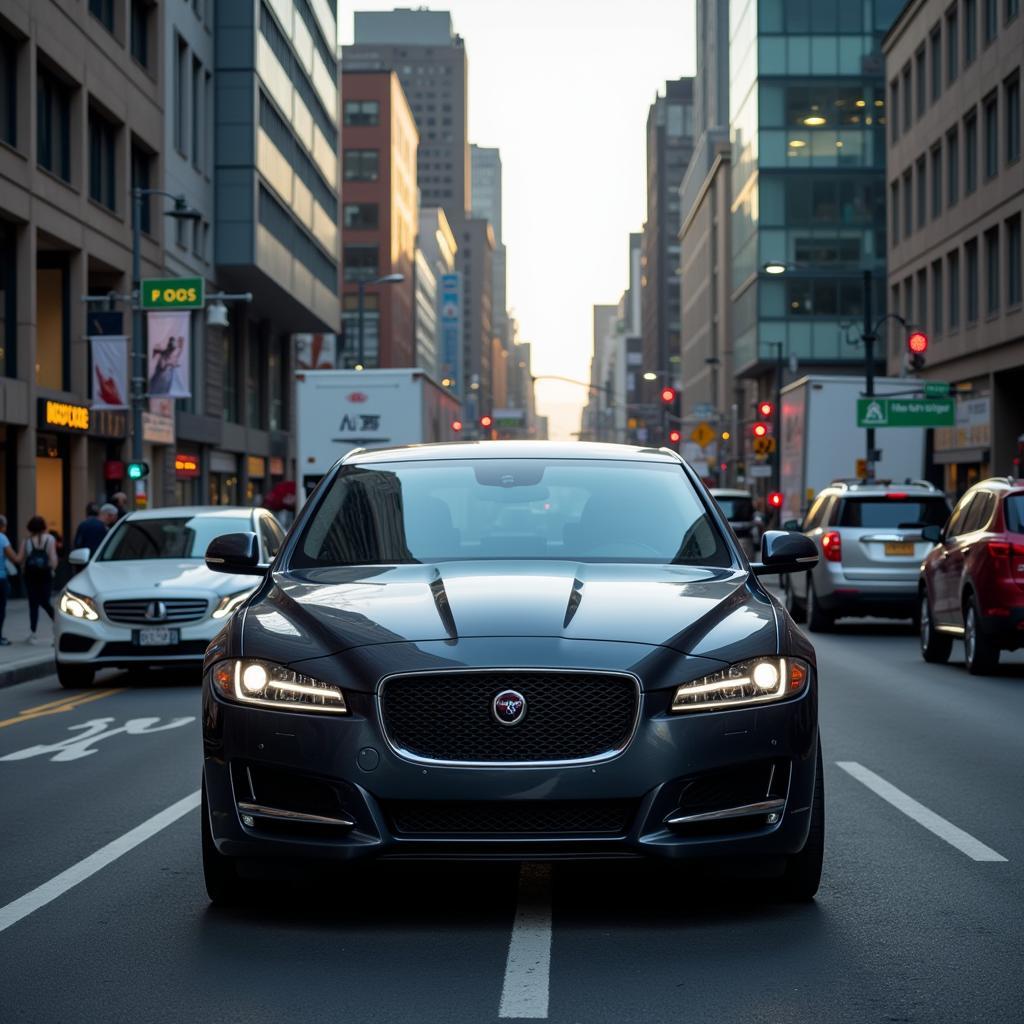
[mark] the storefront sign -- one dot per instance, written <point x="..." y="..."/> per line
<point x="276" y="465"/>
<point x="63" y="416"/>
<point x="972" y="429"/>
<point x="257" y="466"/>
<point x="186" y="466"/>
<point x="157" y="429"/>
<point x="104" y="423"/>
<point x="172" y="293"/>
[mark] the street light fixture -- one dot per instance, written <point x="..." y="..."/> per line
<point x="363" y="285"/>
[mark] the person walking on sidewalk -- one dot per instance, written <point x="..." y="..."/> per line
<point x="39" y="557"/>
<point x="7" y="554"/>
<point x="91" y="530"/>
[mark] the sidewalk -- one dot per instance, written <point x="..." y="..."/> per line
<point x="23" y="661"/>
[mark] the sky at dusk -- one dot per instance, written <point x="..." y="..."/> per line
<point x="562" y="87"/>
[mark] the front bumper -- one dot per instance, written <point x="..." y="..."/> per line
<point x="104" y="644"/>
<point x="250" y="753"/>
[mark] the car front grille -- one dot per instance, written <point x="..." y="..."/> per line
<point x="520" y="818"/>
<point x="148" y="611"/>
<point x="570" y="716"/>
<point x="122" y="649"/>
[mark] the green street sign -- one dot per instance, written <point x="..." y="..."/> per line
<point x="172" y="293"/>
<point x="936" y="389"/>
<point x="906" y="412"/>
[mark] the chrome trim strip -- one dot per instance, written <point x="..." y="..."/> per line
<point x="745" y="811"/>
<point x="951" y="630"/>
<point x="609" y="755"/>
<point x="279" y="814"/>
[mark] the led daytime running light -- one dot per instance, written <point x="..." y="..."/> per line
<point x="758" y="681"/>
<point x="250" y="681"/>
<point x="78" y="607"/>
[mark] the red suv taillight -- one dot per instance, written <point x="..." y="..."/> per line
<point x="1004" y="550"/>
<point x="832" y="546"/>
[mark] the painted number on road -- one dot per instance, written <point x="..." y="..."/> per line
<point x="87" y="734"/>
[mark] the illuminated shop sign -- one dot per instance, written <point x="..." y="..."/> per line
<point x="186" y="466"/>
<point x="54" y="415"/>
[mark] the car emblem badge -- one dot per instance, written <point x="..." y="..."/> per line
<point x="509" y="707"/>
<point x="156" y="611"/>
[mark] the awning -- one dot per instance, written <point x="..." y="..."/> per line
<point x="960" y="455"/>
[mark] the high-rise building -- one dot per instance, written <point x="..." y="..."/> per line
<point x="437" y="245"/>
<point x="425" y="326"/>
<point x="476" y="256"/>
<point x="956" y="198"/>
<point x="670" y="138"/>
<point x="380" y="218"/>
<point x="486" y="190"/>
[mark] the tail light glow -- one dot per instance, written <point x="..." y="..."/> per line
<point x="832" y="546"/>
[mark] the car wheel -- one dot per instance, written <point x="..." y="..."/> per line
<point x="935" y="647"/>
<point x="818" y="620"/>
<point x="796" y="610"/>
<point x="980" y="655"/>
<point x="802" y="874"/>
<point x="75" y="677"/>
<point x="223" y="885"/>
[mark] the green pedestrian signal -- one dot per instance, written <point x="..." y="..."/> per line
<point x="137" y="470"/>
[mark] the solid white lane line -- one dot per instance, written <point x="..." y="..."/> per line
<point x="528" y="968"/>
<point x="963" y="841"/>
<point x="60" y="884"/>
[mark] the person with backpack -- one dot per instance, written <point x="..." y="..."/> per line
<point x="39" y="560"/>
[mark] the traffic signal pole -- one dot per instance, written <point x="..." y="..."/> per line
<point x="868" y="336"/>
<point x="138" y="389"/>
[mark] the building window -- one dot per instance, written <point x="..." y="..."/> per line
<point x="970" y="31"/>
<point x="1013" y="262"/>
<point x="908" y="205"/>
<point x="952" y="166"/>
<point x="8" y="91"/>
<point x="952" y="45"/>
<point x="908" y="299"/>
<point x="361" y="262"/>
<point x="141" y="164"/>
<point x="970" y="153"/>
<point x="935" y="46"/>
<point x="894" y="198"/>
<point x="894" y="106"/>
<point x="102" y="160"/>
<point x="362" y="164"/>
<point x="992" y="271"/>
<point x="1012" y="10"/>
<point x="197" y="114"/>
<point x="180" y="112"/>
<point x="53" y="110"/>
<point x="920" y="76"/>
<point x="991" y="136"/>
<point x="936" y="181"/>
<point x="953" y="284"/>
<point x="991" y="20"/>
<point x="53" y="330"/>
<point x="362" y="112"/>
<point x="971" y="255"/>
<point x="937" y="297"/>
<point x="922" y="297"/>
<point x="103" y="12"/>
<point x="1011" y="104"/>
<point x="922" y="193"/>
<point x="141" y="11"/>
<point x="362" y="216"/>
<point x="907" y="99"/>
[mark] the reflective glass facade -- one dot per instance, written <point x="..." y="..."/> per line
<point x="807" y="124"/>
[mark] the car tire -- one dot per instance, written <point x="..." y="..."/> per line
<point x="818" y="620"/>
<point x="981" y="656"/>
<point x="935" y="647"/>
<point x="797" y="612"/>
<point x="802" y="875"/>
<point x="75" y="677"/>
<point x="223" y="885"/>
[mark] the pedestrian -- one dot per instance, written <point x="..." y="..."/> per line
<point x="120" y="499"/>
<point x="39" y="557"/>
<point x="108" y="515"/>
<point x="7" y="554"/>
<point x="91" y="530"/>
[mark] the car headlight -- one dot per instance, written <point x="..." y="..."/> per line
<point x="250" y="681"/>
<point x="78" y="606"/>
<point x="230" y="603"/>
<point x="758" y="681"/>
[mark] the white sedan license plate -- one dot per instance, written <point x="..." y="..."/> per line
<point x="161" y="637"/>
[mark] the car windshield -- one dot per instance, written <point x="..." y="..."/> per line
<point x="173" y="537"/>
<point x="737" y="510"/>
<point x="445" y="510"/>
<point x="894" y="513"/>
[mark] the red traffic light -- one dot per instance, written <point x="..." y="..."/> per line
<point x="775" y="499"/>
<point x="456" y="425"/>
<point x="668" y="395"/>
<point x="917" y="343"/>
<point x="766" y="409"/>
<point x="486" y="422"/>
<point x="760" y="430"/>
<point x="675" y="436"/>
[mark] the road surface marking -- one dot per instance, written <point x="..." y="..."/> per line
<point x="527" y="971"/>
<point x="55" y="706"/>
<point x="963" y="841"/>
<point x="87" y="733"/>
<point x="60" y="884"/>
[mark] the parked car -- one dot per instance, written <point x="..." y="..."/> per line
<point x="972" y="581"/>
<point x="147" y="598"/>
<point x="869" y="536"/>
<point x="738" y="507"/>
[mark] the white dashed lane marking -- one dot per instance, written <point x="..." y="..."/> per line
<point x="528" y="968"/>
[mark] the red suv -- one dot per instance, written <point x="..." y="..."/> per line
<point x="972" y="581"/>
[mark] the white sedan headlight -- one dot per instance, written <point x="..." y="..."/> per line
<point x="230" y="603"/>
<point x="251" y="681"/>
<point x="78" y="606"/>
<point x="758" y="681"/>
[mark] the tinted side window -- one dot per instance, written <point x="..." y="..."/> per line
<point x="270" y="538"/>
<point x="1013" y="509"/>
<point x="981" y="512"/>
<point x="955" y="526"/>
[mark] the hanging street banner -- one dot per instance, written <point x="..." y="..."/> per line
<point x="905" y="412"/>
<point x="169" y="351"/>
<point x="450" y="308"/>
<point x="172" y="293"/>
<point x="110" y="372"/>
<point x="316" y="351"/>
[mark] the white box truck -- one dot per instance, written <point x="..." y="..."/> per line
<point x="338" y="410"/>
<point x="821" y="441"/>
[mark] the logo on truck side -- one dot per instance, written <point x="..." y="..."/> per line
<point x="358" y="396"/>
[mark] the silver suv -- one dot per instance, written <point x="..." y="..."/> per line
<point x="869" y="535"/>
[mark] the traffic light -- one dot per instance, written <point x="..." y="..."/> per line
<point x="138" y="470"/>
<point x="486" y="421"/>
<point x="674" y="436"/>
<point x="668" y="395"/>
<point x="760" y="430"/>
<point x="766" y="410"/>
<point x="456" y="425"/>
<point x="917" y="346"/>
<point x="775" y="499"/>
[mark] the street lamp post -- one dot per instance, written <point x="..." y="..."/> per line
<point x="361" y="311"/>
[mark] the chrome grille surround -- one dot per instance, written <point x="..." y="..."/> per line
<point x="133" y="611"/>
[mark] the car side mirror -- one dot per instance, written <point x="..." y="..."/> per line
<point x="237" y="553"/>
<point x="932" y="533"/>
<point x="791" y="525"/>
<point x="80" y="556"/>
<point x="785" y="552"/>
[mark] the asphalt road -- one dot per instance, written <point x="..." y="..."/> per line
<point x="918" y="918"/>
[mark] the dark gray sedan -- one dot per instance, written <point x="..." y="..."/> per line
<point x="512" y="650"/>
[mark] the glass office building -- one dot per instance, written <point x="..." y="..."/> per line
<point x="807" y="125"/>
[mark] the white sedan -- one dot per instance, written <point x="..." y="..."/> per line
<point x="147" y="598"/>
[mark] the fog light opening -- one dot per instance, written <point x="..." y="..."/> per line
<point x="248" y="821"/>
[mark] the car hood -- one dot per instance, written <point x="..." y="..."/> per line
<point x="689" y="609"/>
<point x="186" y="576"/>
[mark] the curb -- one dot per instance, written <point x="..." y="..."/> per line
<point x="27" y="671"/>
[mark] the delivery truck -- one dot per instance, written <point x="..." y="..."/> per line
<point x="821" y="441"/>
<point x="338" y="410"/>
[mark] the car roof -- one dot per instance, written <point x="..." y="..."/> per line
<point x="881" y="488"/>
<point x="459" y="450"/>
<point x="730" y="492"/>
<point x="190" y="511"/>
